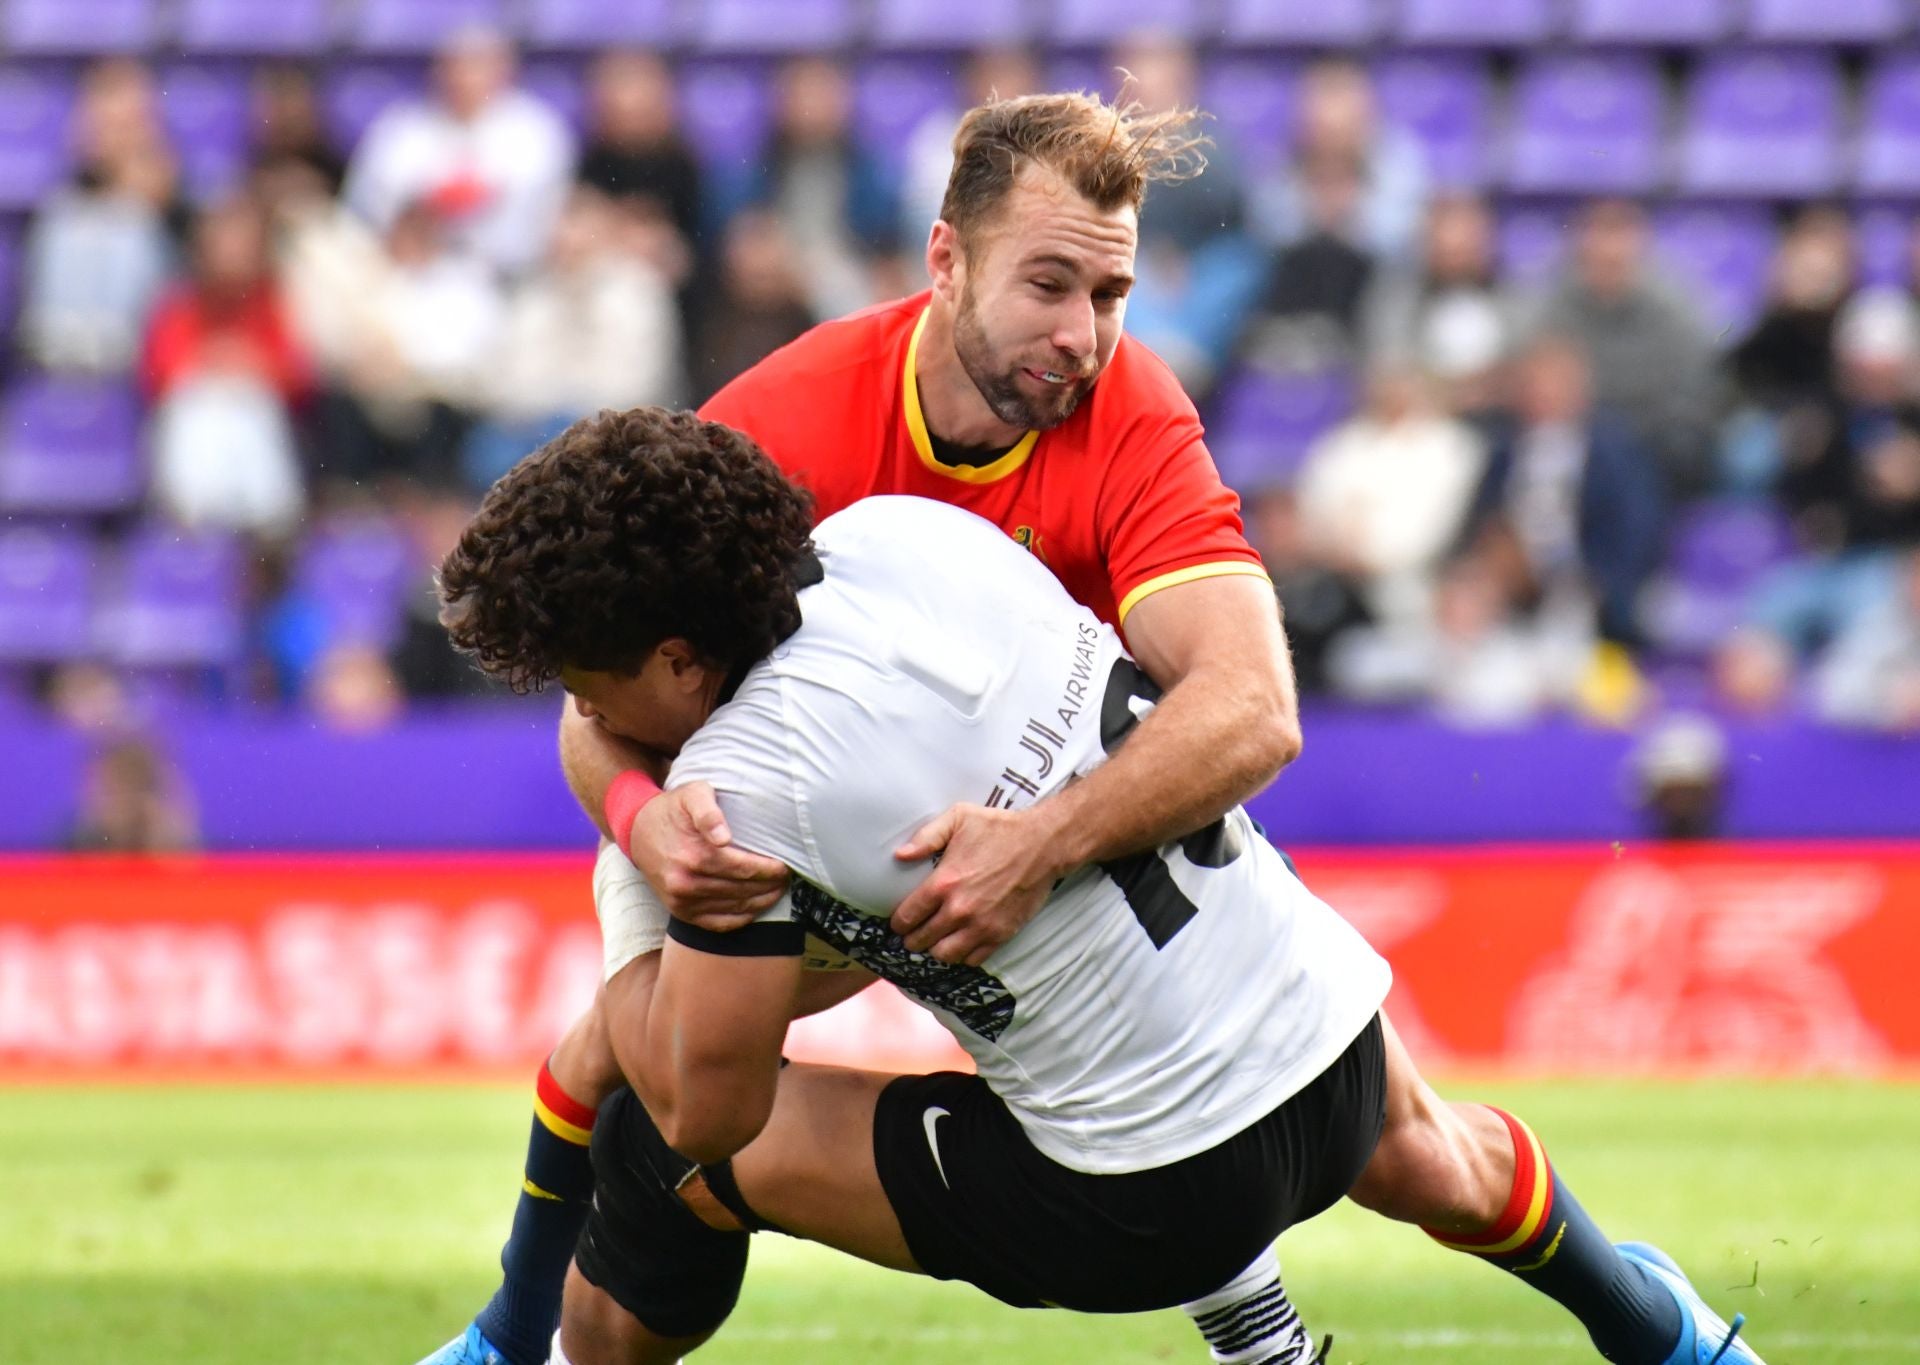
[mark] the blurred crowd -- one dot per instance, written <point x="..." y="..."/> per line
<point x="1562" y="495"/>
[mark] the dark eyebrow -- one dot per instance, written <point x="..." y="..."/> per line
<point x="1072" y="267"/>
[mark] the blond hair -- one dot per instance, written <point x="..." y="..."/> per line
<point x="1109" y="153"/>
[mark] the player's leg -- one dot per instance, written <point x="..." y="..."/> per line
<point x="1478" y="1181"/>
<point x="516" y="1325"/>
<point x="660" y="1265"/>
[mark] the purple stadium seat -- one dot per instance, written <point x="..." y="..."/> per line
<point x="360" y="573"/>
<point x="1532" y="240"/>
<point x="409" y="27"/>
<point x="1719" y="551"/>
<point x="1288" y="23"/>
<point x="1078" y="71"/>
<point x="589" y="25"/>
<point x="284" y="28"/>
<point x="207" y="111"/>
<point x="939" y="24"/>
<point x="1253" y="102"/>
<point x="1827" y="21"/>
<point x="1481" y="23"/>
<point x="893" y="97"/>
<point x="69" y="445"/>
<point x="353" y="94"/>
<point x="1443" y="102"/>
<point x="35" y="104"/>
<point x="1721" y="253"/>
<point x="46" y="594"/>
<point x="1887" y="157"/>
<point x="1589" y="124"/>
<point x="1650" y="23"/>
<point x="9" y="274"/>
<point x="1763" y="124"/>
<point x="563" y="85"/>
<point x="1095" y="23"/>
<point x="1883" y="238"/>
<point x="176" y="599"/>
<point x="1264" y="423"/>
<point x="725" y="108"/>
<point x="76" y="27"/>
<point x="744" y="26"/>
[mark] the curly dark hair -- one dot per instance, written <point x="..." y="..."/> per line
<point x="625" y="530"/>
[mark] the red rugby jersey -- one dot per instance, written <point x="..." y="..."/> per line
<point x="1120" y="500"/>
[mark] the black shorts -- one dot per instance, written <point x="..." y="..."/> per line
<point x="995" y="1212"/>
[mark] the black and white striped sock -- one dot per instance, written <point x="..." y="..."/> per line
<point x="1249" y="1321"/>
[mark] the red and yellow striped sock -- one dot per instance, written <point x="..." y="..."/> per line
<point x="556" y="1193"/>
<point x="1544" y="1238"/>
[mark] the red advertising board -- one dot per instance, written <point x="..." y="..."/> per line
<point x="1739" y="958"/>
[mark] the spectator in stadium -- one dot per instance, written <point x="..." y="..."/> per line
<point x="1784" y="370"/>
<point x="831" y="194"/>
<point x="423" y="660"/>
<point x="992" y="73"/>
<point x="1318" y="603"/>
<point x="1787" y="356"/>
<point x="1337" y="122"/>
<point x="1652" y="360"/>
<point x="100" y="248"/>
<point x="1386" y="493"/>
<point x="1309" y="312"/>
<point x="492" y="161"/>
<point x="134" y="801"/>
<point x="226" y="373"/>
<point x="759" y="306"/>
<point x="287" y="125"/>
<point x="1870" y="677"/>
<point x="1447" y="313"/>
<point x="406" y="334"/>
<point x="594" y="326"/>
<point x="1678" y="772"/>
<point x="353" y="689"/>
<point x="1580" y="490"/>
<point x="1481" y="657"/>
<point x="635" y="152"/>
<point x="1197" y="271"/>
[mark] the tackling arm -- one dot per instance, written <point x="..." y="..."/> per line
<point x="1228" y="722"/>
<point x="698" y="1035"/>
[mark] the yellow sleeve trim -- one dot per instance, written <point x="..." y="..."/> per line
<point x="923" y="444"/>
<point x="1193" y="573"/>
<point x="558" y="1126"/>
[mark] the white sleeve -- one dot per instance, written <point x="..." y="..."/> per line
<point x="633" y="922"/>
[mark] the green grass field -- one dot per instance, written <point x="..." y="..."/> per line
<point x="360" y="1226"/>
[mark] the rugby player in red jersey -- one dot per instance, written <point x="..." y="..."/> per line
<point x="1008" y="389"/>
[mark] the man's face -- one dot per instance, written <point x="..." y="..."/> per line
<point x="657" y="708"/>
<point x="1043" y="290"/>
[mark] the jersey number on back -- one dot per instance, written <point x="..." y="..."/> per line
<point x="1146" y="879"/>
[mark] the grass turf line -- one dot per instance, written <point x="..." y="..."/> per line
<point x="361" y="1226"/>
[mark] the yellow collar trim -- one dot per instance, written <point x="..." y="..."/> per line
<point x="923" y="444"/>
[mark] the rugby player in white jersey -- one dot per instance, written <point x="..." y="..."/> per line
<point x="1181" y="1059"/>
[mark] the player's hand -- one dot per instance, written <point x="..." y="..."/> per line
<point x="994" y="873"/>
<point x="683" y="846"/>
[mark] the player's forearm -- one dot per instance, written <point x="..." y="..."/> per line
<point x="590" y="758"/>
<point x="1220" y="736"/>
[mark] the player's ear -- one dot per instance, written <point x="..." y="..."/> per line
<point x="945" y="259"/>
<point x="683" y="663"/>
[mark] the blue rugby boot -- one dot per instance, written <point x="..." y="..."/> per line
<point x="1705" y="1338"/>
<point x="469" y="1348"/>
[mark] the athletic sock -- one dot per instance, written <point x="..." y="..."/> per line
<point x="1547" y="1240"/>
<point x="555" y="1196"/>
<point x="1249" y="1321"/>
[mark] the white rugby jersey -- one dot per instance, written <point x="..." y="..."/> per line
<point x="1157" y="1004"/>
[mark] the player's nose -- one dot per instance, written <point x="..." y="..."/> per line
<point x="1073" y="329"/>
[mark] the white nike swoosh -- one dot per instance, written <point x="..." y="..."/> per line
<point x="930" y="1120"/>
